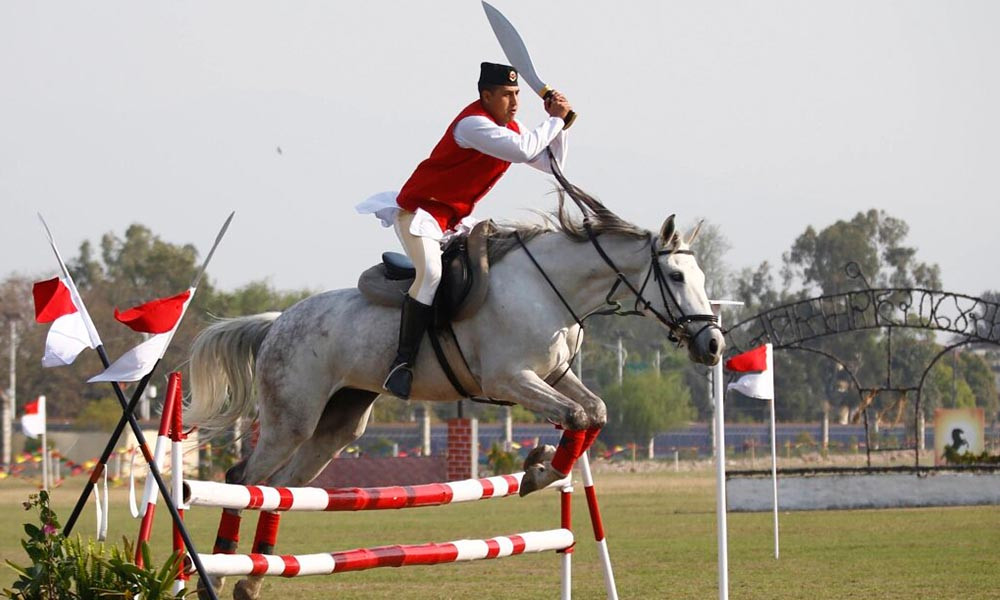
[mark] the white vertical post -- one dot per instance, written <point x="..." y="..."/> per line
<point x="621" y="360"/>
<point x="474" y="447"/>
<point x="720" y="471"/>
<point x="10" y="402"/>
<point x="774" y="477"/>
<point x="566" y="558"/>
<point x="921" y="431"/>
<point x="567" y="576"/>
<point x="718" y="396"/>
<point x="425" y="431"/>
<point x="45" y="443"/>
<point x="508" y="428"/>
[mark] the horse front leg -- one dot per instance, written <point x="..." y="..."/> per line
<point x="530" y="391"/>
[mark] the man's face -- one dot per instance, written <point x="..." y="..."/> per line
<point x="501" y="102"/>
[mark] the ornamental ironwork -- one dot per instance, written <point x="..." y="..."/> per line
<point x="803" y="324"/>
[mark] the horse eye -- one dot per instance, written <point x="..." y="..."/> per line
<point x="677" y="276"/>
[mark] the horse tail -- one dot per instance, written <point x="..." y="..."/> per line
<point x="222" y="371"/>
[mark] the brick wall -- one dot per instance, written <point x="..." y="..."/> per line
<point x="377" y="472"/>
<point x="463" y="449"/>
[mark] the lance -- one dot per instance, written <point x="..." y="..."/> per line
<point x="128" y="416"/>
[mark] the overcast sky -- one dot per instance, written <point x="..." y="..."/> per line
<point x="764" y="117"/>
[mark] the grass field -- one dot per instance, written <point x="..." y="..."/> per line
<point x="661" y="532"/>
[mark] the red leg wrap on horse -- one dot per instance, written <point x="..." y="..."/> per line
<point x="267" y="532"/>
<point x="228" y="537"/>
<point x="592" y="434"/>
<point x="571" y="446"/>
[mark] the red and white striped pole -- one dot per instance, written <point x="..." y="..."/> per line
<point x="177" y="478"/>
<point x="566" y="521"/>
<point x="595" y="520"/>
<point x="387" y="556"/>
<point x="151" y="493"/>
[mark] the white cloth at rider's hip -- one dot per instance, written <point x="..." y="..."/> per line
<point x="420" y="233"/>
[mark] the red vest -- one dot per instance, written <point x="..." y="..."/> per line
<point x="450" y="182"/>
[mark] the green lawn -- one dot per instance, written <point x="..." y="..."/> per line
<point x="661" y="532"/>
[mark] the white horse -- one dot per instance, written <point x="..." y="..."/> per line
<point x="319" y="366"/>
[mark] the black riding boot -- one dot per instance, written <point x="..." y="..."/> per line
<point x="412" y="325"/>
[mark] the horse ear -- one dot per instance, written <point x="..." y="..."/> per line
<point x="667" y="231"/>
<point x="694" y="234"/>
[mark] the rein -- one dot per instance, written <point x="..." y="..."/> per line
<point x="674" y="323"/>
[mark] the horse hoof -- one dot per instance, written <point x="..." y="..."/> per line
<point x="539" y="455"/>
<point x="246" y="590"/>
<point x="538" y="477"/>
<point x="217" y="584"/>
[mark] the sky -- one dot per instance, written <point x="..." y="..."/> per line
<point x="763" y="117"/>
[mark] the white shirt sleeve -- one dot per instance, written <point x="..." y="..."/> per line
<point x="482" y="134"/>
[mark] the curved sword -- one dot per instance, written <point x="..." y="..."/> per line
<point x="517" y="53"/>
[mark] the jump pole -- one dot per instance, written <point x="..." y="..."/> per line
<point x="150" y="492"/>
<point x="718" y="395"/>
<point x="595" y="520"/>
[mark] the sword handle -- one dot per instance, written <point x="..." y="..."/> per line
<point x="570" y="116"/>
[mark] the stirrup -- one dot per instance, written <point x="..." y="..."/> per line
<point x="399" y="380"/>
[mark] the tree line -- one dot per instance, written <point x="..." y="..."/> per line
<point x="659" y="388"/>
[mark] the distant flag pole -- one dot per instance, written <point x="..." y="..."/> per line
<point x="128" y="417"/>
<point x="718" y="395"/>
<point x="758" y="382"/>
<point x="33" y="426"/>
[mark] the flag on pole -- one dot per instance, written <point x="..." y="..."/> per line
<point x="159" y="317"/>
<point x="758" y="364"/>
<point x="156" y="316"/>
<point x="33" y="419"/>
<point x="69" y="335"/>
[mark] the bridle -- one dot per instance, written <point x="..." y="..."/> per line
<point x="674" y="322"/>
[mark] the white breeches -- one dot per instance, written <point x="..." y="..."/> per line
<point x="426" y="256"/>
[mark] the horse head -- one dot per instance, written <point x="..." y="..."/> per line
<point x="682" y="303"/>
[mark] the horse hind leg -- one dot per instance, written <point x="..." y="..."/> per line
<point x="343" y="420"/>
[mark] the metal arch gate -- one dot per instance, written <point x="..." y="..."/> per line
<point x="794" y="325"/>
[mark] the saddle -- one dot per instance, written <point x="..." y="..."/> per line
<point x="465" y="271"/>
<point x="463" y="288"/>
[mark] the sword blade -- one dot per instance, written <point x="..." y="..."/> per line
<point x="514" y="48"/>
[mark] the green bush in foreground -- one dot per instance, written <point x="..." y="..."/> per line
<point x="69" y="569"/>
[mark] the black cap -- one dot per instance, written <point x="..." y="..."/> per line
<point x="494" y="74"/>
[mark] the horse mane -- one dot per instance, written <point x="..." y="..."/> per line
<point x="503" y="236"/>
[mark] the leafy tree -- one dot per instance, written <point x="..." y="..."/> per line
<point x="710" y="247"/>
<point x="645" y="404"/>
<point x="872" y="239"/>
<point x="132" y="269"/>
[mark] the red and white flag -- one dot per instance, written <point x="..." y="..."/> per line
<point x="70" y="333"/>
<point x="159" y="317"/>
<point x="33" y="419"/>
<point x="758" y="364"/>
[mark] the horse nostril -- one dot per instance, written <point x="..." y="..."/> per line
<point x="713" y="346"/>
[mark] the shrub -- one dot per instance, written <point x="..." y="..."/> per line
<point x="69" y="569"/>
<point x="502" y="462"/>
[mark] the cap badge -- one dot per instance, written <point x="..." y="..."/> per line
<point x="512" y="75"/>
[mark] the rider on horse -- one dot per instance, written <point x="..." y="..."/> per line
<point x="436" y="201"/>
